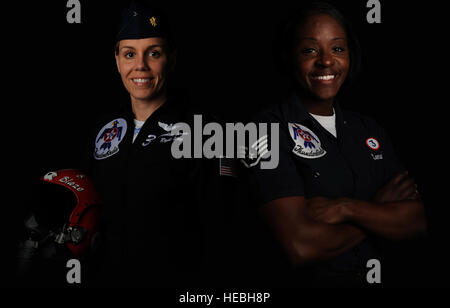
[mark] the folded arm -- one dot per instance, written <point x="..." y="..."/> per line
<point x="320" y="228"/>
<point x="304" y="239"/>
<point x="395" y="213"/>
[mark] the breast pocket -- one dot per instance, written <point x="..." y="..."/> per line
<point x="328" y="177"/>
<point x="367" y="159"/>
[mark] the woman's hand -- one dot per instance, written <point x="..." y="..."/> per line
<point x="330" y="211"/>
<point x="400" y="187"/>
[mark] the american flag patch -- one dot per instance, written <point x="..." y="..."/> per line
<point x="227" y="167"/>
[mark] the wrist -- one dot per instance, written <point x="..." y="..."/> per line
<point x="349" y="209"/>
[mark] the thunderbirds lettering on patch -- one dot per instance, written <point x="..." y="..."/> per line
<point x="307" y="144"/>
<point x="109" y="137"/>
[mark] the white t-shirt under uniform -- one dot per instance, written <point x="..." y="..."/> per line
<point x="137" y="128"/>
<point x="327" y="122"/>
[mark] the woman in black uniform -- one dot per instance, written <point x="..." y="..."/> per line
<point x="339" y="187"/>
<point x="152" y="235"/>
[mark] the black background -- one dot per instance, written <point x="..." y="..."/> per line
<point x="61" y="76"/>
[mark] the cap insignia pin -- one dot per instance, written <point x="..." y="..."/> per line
<point x="153" y="21"/>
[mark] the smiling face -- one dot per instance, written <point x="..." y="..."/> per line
<point x="321" y="56"/>
<point x="143" y="65"/>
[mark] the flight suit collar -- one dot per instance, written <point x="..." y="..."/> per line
<point x="302" y="115"/>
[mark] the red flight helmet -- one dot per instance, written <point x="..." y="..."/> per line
<point x="83" y="222"/>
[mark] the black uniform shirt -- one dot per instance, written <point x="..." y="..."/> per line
<point x="312" y="162"/>
<point x="151" y="200"/>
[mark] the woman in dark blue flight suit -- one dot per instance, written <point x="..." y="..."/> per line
<point x="153" y="214"/>
<point x="338" y="187"/>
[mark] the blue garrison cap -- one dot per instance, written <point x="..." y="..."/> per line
<point x="141" y="21"/>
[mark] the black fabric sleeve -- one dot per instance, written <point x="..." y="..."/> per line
<point x="279" y="182"/>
